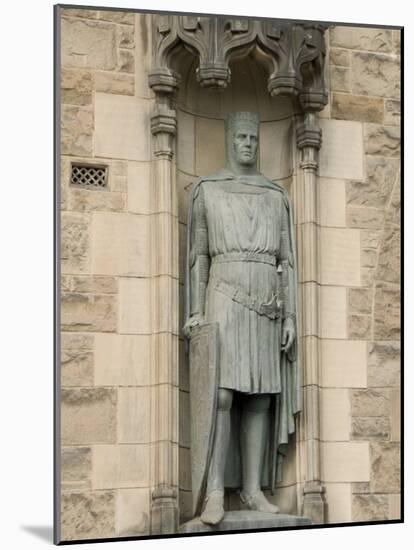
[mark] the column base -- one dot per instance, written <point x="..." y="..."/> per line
<point x="164" y="511"/>
<point x="314" y="503"/>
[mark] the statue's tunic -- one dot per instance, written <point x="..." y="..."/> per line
<point x="242" y="227"/>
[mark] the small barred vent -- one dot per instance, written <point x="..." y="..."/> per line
<point x="88" y="176"/>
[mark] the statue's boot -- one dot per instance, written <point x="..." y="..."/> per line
<point x="258" y="502"/>
<point x="253" y="443"/>
<point x="214" y="509"/>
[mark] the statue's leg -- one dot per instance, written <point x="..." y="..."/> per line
<point x="253" y="444"/>
<point x="214" y="509"/>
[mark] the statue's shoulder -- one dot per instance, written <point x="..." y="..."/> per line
<point x="278" y="188"/>
<point x="221" y="175"/>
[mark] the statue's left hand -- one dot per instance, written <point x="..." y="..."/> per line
<point x="288" y="334"/>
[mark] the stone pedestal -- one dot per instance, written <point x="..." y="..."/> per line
<point x="243" y="520"/>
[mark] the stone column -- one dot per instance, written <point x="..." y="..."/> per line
<point x="308" y="135"/>
<point x="164" y="302"/>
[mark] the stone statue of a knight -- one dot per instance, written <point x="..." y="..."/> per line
<point x="241" y="321"/>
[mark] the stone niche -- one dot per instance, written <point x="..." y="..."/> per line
<point x="200" y="150"/>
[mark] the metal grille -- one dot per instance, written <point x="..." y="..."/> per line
<point x="88" y="176"/>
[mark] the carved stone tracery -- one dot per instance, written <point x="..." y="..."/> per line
<point x="295" y="54"/>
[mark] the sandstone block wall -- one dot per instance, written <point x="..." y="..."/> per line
<point x="106" y="334"/>
<point x="359" y="192"/>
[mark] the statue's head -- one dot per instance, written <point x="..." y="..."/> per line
<point x="242" y="139"/>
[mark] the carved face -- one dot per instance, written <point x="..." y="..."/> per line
<point x="245" y="144"/>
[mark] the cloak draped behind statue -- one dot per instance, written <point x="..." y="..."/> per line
<point x="285" y="387"/>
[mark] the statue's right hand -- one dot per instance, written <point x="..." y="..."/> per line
<point x="193" y="321"/>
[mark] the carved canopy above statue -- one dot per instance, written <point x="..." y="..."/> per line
<point x="295" y="53"/>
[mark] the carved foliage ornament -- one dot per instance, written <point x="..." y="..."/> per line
<point x="295" y="53"/>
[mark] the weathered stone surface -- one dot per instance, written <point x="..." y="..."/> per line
<point x="76" y="341"/>
<point x="76" y="368"/>
<point x="387" y="312"/>
<point x="370" y="239"/>
<point x="364" y="218"/>
<point x="395" y="414"/>
<point x="396" y="41"/>
<point x="367" y="276"/>
<point x="84" y="200"/>
<point x="389" y="256"/>
<point x="94" y="284"/>
<point x="360" y="488"/>
<point x="360" y="300"/>
<point x="384" y="364"/>
<point x="375" y="74"/>
<point x="88" y="515"/>
<point x="338" y="56"/>
<point x="340" y="79"/>
<point x="385" y="467"/>
<point x="359" y="38"/>
<point x="126" y="61"/>
<point x="382" y="140"/>
<point x="86" y="14"/>
<point x="368" y="258"/>
<point x="369" y="507"/>
<point x="381" y="173"/>
<point x="125" y="17"/>
<point x="351" y="107"/>
<point x="88" y="44"/>
<point x="64" y="181"/>
<point x="88" y="312"/>
<point x="370" y="428"/>
<point x="75" y="86"/>
<point x="88" y="415"/>
<point x="65" y="283"/>
<point x="76" y="130"/>
<point x="359" y="327"/>
<point x="125" y="36"/>
<point x="392" y="112"/>
<point x="393" y="212"/>
<point x="75" y="247"/>
<point x="114" y="83"/>
<point x="76" y="468"/>
<point x="370" y="402"/>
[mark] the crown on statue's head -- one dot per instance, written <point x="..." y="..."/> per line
<point x="245" y="118"/>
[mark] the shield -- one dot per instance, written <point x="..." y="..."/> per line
<point x="204" y="365"/>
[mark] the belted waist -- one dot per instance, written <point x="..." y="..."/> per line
<point x="245" y="257"/>
<point x="272" y="309"/>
